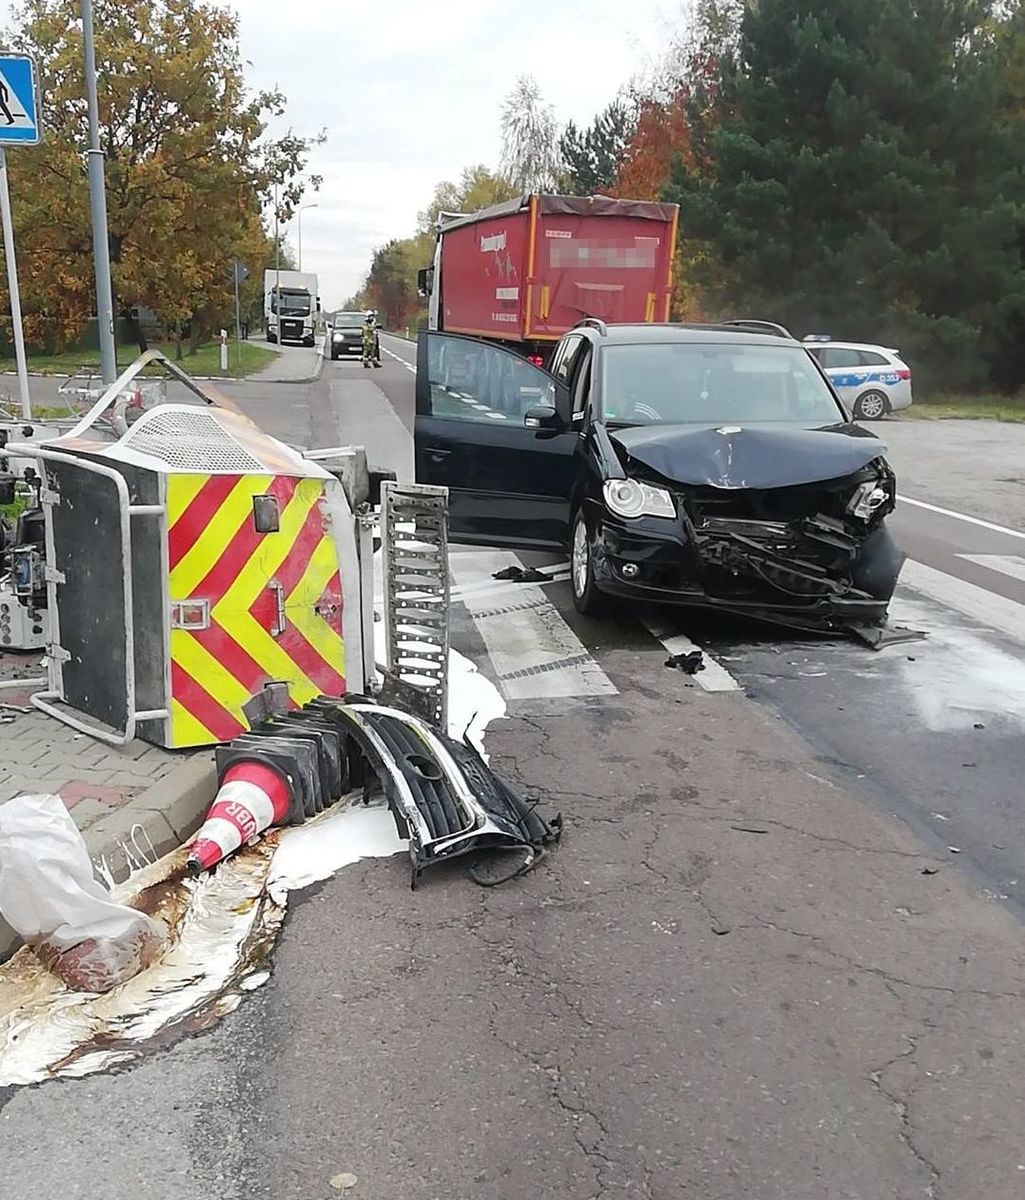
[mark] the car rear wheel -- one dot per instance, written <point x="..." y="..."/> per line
<point x="872" y="406"/>
<point x="586" y="597"/>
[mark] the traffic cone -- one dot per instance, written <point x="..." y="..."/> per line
<point x="252" y="797"/>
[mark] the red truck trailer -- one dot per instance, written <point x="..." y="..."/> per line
<point x="524" y="272"/>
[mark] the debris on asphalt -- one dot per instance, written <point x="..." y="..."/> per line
<point x="344" y="1181"/>
<point x="522" y="575"/>
<point x="979" y="725"/>
<point x="721" y="930"/>
<point x="747" y="829"/>
<point x="878" y="637"/>
<point x="930" y="870"/>
<point x="689" y="663"/>
<point x="954" y="849"/>
<point x="50" y="897"/>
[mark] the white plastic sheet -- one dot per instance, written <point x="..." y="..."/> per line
<point x="50" y="896"/>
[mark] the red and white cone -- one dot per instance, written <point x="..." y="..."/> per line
<point x="252" y="798"/>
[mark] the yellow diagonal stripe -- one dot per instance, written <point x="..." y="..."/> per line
<point x="216" y="679"/>
<point x="181" y="491"/>
<point x="322" y="636"/>
<point x="222" y="526"/>
<point x="186" y="730"/>
<point x="232" y="613"/>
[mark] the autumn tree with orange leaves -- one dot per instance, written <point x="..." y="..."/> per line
<point x="189" y="166"/>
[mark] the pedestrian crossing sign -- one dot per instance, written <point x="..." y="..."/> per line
<point x="19" y="101"/>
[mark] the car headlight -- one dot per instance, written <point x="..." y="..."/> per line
<point x="628" y="498"/>
<point x="338" y="337"/>
<point x="868" y="498"/>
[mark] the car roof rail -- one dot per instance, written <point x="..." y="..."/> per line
<point x="593" y="323"/>
<point x="761" y="327"/>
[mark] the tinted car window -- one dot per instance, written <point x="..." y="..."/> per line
<point x="694" y="384"/>
<point x="472" y="381"/>
<point x="837" y="357"/>
<point x="869" y="358"/>
<point x="348" y="320"/>
<point x="565" y="357"/>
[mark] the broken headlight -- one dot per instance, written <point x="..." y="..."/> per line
<point x="868" y="498"/>
<point x="628" y="498"/>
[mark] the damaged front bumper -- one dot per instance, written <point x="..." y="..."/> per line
<point x="811" y="573"/>
<point x="443" y="796"/>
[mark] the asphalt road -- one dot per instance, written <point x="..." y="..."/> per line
<point x="753" y="969"/>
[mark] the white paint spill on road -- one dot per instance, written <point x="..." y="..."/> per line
<point x="959" y="677"/>
<point x="534" y="652"/>
<point x="223" y="925"/>
<point x="714" y="678"/>
<point x="313" y="852"/>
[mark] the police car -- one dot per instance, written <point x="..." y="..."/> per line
<point x="871" y="380"/>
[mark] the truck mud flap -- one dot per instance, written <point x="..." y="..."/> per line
<point x="444" y="797"/>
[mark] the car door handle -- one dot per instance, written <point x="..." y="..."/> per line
<point x="438" y="456"/>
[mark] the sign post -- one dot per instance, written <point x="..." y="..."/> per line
<point x="19" y="126"/>
<point x="224" y="351"/>
<point x="239" y="272"/>
<point x="98" y="208"/>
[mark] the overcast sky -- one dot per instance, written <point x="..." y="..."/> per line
<point x="410" y="92"/>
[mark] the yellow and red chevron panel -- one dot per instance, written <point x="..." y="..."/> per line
<point x="273" y="601"/>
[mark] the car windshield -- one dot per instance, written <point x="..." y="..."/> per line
<point x="348" y="320"/>
<point x="688" y="383"/>
<point x="293" y="304"/>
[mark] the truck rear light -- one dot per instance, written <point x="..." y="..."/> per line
<point x="535" y="360"/>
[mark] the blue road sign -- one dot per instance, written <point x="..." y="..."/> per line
<point x="19" y="101"/>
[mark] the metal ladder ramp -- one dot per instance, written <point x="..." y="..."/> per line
<point x="414" y="541"/>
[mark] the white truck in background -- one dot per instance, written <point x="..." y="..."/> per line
<point x="290" y="306"/>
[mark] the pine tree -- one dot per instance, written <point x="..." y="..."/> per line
<point x="593" y="156"/>
<point x="862" y="180"/>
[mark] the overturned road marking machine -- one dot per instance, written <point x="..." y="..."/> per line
<point x="193" y="560"/>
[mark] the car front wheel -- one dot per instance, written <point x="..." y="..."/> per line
<point x="586" y="597"/>
<point x="872" y="406"/>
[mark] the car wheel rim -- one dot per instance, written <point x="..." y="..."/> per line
<point x="872" y="406"/>
<point x="579" y="558"/>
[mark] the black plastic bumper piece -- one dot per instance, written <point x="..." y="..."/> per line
<point x="445" y="799"/>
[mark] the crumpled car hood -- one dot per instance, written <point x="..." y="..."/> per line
<point x="750" y="457"/>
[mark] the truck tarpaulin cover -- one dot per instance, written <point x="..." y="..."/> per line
<point x="534" y="268"/>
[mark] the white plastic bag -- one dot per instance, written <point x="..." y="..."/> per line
<point x="49" y="895"/>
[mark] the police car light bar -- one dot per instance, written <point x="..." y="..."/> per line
<point x="818" y="337"/>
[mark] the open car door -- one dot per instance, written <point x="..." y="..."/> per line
<point x="494" y="430"/>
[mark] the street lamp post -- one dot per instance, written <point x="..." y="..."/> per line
<point x="299" y="217"/>
<point x="98" y="208"/>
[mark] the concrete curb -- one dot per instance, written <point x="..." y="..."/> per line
<point x="164" y="816"/>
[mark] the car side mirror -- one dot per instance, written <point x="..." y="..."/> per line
<point x="542" y="417"/>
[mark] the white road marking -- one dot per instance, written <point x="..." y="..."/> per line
<point x="985" y="607"/>
<point x="947" y="512"/>
<point x="534" y="652"/>
<point x="714" y="678"/>
<point x="1011" y="565"/>
<point x="399" y="359"/>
